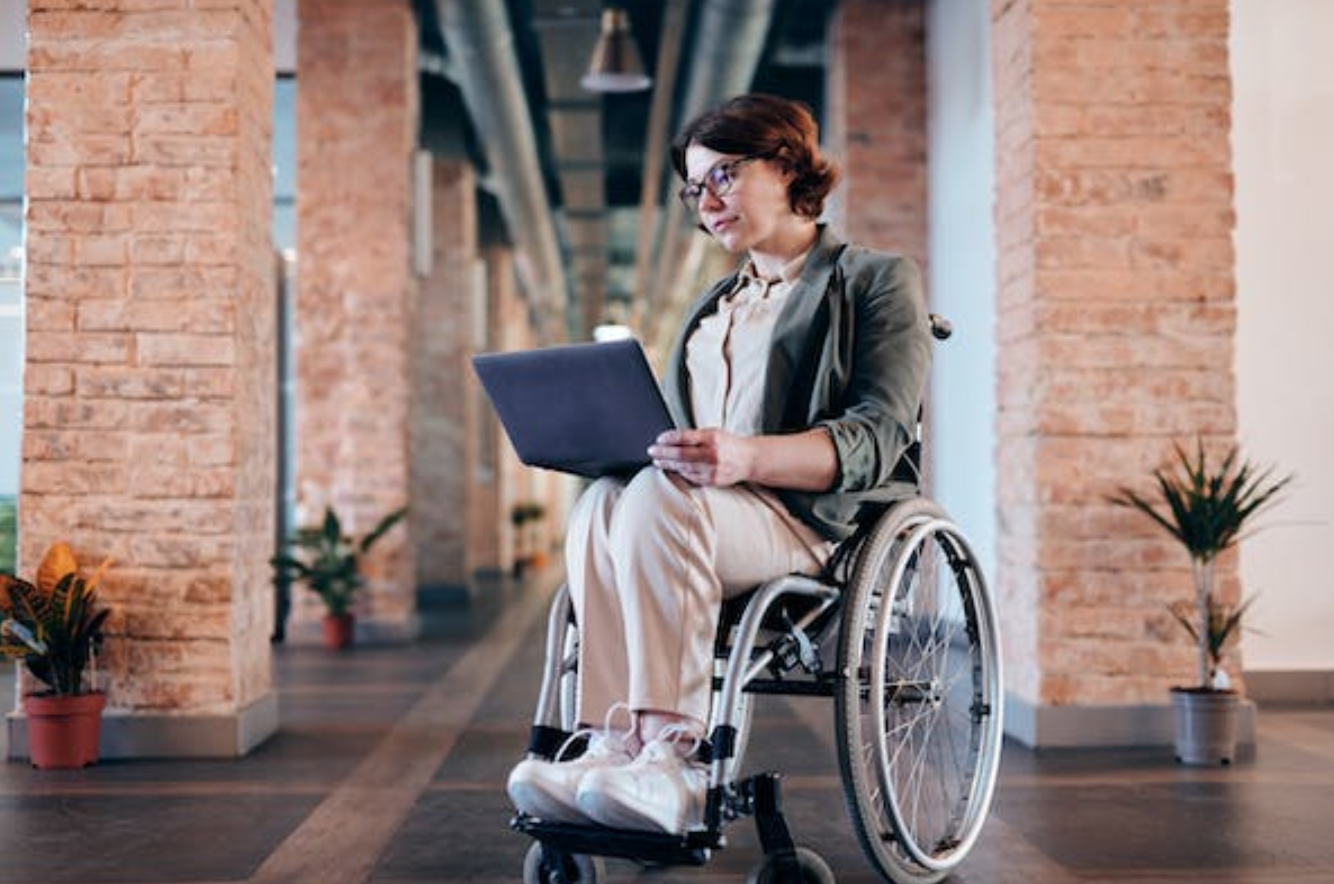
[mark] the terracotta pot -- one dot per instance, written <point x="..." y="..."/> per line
<point x="339" y="630"/>
<point x="64" y="732"/>
<point x="1206" y="725"/>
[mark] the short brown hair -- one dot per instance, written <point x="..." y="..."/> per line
<point x="767" y="126"/>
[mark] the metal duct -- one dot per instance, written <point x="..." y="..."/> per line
<point x="481" y="46"/>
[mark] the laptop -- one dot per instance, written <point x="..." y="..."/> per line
<point x="589" y="409"/>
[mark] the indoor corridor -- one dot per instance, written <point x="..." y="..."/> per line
<point x="390" y="763"/>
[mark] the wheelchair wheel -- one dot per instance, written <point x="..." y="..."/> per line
<point x="813" y="868"/>
<point x="541" y="866"/>
<point x="919" y="705"/>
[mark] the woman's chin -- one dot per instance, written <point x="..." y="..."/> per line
<point x="728" y="239"/>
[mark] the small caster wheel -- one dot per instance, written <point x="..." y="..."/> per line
<point x="812" y="869"/>
<point x="541" y="866"/>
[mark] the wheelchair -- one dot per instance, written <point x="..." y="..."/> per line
<point x="901" y="633"/>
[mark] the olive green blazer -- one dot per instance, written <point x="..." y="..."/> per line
<point x="851" y="351"/>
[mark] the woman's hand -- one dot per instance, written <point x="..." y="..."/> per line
<point x="805" y="461"/>
<point x="703" y="457"/>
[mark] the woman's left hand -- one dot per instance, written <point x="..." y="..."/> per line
<point x="703" y="457"/>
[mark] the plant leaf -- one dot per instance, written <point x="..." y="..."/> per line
<point x="58" y="561"/>
<point x="382" y="528"/>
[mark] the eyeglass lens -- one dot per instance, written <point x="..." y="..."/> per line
<point x="717" y="181"/>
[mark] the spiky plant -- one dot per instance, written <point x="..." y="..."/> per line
<point x="329" y="561"/>
<point x="53" y="624"/>
<point x="1207" y="508"/>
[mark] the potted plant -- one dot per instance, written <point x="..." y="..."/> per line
<point x="54" y="625"/>
<point x="1206" y="507"/>
<point x="328" y="562"/>
<point x="527" y="543"/>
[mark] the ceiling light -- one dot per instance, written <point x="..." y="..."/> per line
<point x="615" y="65"/>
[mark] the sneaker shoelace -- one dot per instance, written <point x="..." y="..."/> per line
<point x="606" y="732"/>
<point x="671" y="737"/>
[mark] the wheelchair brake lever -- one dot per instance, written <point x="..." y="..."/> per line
<point x="806" y="654"/>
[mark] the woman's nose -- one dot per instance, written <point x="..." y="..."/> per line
<point x="710" y="200"/>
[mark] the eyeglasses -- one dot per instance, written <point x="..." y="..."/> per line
<point x="717" y="181"/>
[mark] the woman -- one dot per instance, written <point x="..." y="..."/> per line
<point x="798" y="378"/>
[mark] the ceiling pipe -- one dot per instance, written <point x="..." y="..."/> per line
<point x="729" y="41"/>
<point x="481" y="45"/>
<point x="655" y="150"/>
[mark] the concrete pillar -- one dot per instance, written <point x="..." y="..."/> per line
<point x="149" y="361"/>
<point x="357" y="114"/>
<point x="1116" y="320"/>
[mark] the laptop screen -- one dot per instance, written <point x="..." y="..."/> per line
<point x="590" y="409"/>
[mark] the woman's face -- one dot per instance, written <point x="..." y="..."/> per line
<point x="752" y="211"/>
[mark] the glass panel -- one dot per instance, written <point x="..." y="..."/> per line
<point x="11" y="307"/>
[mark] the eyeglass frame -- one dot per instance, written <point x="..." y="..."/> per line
<point x="692" y="192"/>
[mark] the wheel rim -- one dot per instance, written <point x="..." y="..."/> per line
<point x="922" y="704"/>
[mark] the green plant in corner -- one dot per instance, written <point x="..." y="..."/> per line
<point x="54" y="623"/>
<point x="1224" y="625"/>
<point x="328" y="561"/>
<point x="1207" y="507"/>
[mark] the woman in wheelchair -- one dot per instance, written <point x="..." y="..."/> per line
<point x="797" y="379"/>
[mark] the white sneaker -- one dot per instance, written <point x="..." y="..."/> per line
<point x="659" y="790"/>
<point x="547" y="789"/>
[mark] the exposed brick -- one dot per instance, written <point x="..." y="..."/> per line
<point x="148" y="409"/>
<point x="883" y="150"/>
<point x="356" y="298"/>
<point x="1115" y="308"/>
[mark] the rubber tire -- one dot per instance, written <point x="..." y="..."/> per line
<point x="814" y="870"/>
<point x="579" y="868"/>
<point x="870" y="803"/>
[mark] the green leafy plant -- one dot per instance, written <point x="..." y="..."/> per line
<point x="1224" y="625"/>
<point x="1207" y="507"/>
<point x="328" y="561"/>
<point x="526" y="511"/>
<point x="54" y="623"/>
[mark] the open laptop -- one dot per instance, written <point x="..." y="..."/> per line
<point x="589" y="409"/>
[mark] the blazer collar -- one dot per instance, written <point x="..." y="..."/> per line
<point x="791" y="338"/>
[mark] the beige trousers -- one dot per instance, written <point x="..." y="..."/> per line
<point x="649" y="564"/>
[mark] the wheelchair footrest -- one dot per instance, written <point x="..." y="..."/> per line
<point x="690" y="849"/>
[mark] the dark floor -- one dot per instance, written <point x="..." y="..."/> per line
<point x="390" y="763"/>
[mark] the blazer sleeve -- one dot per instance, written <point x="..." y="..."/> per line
<point x="884" y="352"/>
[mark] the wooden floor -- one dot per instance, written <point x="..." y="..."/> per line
<point x="390" y="763"/>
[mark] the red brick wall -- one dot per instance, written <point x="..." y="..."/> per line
<point x="877" y="125"/>
<point x="149" y="395"/>
<point x="1115" y="325"/>
<point x="443" y="343"/>
<point x="356" y="133"/>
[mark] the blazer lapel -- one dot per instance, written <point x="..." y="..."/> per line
<point x="794" y="346"/>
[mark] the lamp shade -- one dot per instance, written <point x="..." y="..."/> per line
<point x="615" y="65"/>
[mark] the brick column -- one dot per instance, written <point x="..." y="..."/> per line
<point x="148" y="420"/>
<point x="511" y="328"/>
<point x="444" y="423"/>
<point x="876" y="123"/>
<point x="357" y="108"/>
<point x="1115" y="336"/>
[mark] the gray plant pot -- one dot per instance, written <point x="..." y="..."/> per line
<point x="1206" y="725"/>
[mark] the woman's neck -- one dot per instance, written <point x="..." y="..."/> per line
<point x="772" y="256"/>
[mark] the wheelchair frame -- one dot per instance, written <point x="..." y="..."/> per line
<point x="917" y="688"/>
